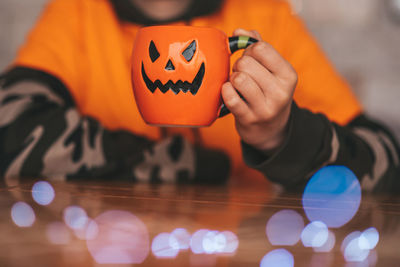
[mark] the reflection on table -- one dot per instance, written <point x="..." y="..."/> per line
<point x="239" y="224"/>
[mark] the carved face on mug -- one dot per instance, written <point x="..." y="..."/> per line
<point x="177" y="73"/>
<point x="190" y="77"/>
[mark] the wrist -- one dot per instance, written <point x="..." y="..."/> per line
<point x="277" y="134"/>
<point x="273" y="143"/>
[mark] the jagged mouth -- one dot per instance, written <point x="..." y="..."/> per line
<point x="177" y="87"/>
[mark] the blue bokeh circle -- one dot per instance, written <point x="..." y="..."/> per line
<point x="332" y="195"/>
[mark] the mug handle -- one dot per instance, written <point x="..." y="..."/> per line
<point x="236" y="43"/>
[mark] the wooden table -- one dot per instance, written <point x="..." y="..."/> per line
<point x="243" y="209"/>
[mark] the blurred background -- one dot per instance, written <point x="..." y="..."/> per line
<point x="361" y="37"/>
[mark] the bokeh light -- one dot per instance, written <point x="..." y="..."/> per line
<point x="22" y="214"/>
<point x="353" y="252"/>
<point x="165" y="245"/>
<point x="328" y="245"/>
<point x="92" y="230"/>
<point x="369" y="239"/>
<point x="214" y="242"/>
<point x="75" y="217"/>
<point x="232" y="242"/>
<point x="206" y="241"/>
<point x="196" y="243"/>
<point x="43" y="193"/>
<point x="88" y="231"/>
<point x="182" y="236"/>
<point x="351" y="249"/>
<point x="348" y="238"/>
<point x="284" y="228"/>
<point x="278" y="258"/>
<point x="315" y="234"/>
<point x="121" y="238"/>
<point x="332" y="196"/>
<point x="370" y="261"/>
<point x="58" y="233"/>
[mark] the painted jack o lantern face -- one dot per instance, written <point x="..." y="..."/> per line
<point x="180" y="86"/>
<point x="178" y="72"/>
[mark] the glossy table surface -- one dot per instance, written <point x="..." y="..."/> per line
<point x="124" y="222"/>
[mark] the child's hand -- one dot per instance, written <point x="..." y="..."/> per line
<point x="267" y="82"/>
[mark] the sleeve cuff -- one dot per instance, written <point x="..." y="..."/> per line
<point x="306" y="147"/>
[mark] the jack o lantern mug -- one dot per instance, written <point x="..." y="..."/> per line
<point x="178" y="73"/>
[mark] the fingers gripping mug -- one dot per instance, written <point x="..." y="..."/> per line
<point x="178" y="72"/>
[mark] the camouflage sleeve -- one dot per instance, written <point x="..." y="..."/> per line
<point x="364" y="146"/>
<point x="43" y="134"/>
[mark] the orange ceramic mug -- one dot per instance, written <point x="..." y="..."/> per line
<point x="178" y="72"/>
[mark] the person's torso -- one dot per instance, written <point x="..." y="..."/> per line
<point x="105" y="90"/>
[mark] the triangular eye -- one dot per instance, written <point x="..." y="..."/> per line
<point x="188" y="53"/>
<point x="154" y="54"/>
